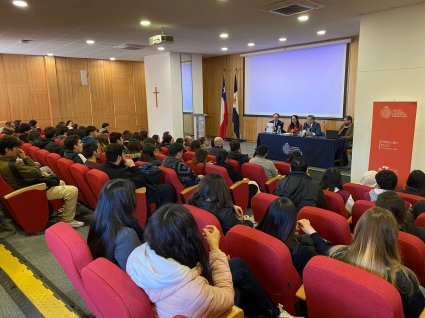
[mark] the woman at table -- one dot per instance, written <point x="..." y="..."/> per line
<point x="295" y="127"/>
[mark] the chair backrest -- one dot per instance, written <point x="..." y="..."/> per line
<point x="58" y="141"/>
<point x="25" y="146"/>
<point x="412" y="250"/>
<point x="160" y="156"/>
<point x="198" y="168"/>
<point x="42" y="157"/>
<point x="329" y="225"/>
<point x="335" y="203"/>
<point x="282" y="167"/>
<point x="141" y="211"/>
<point x="78" y="172"/>
<point x="358" y="191"/>
<point x="420" y="220"/>
<point x="270" y="261"/>
<point x="221" y="171"/>
<point x="170" y="176"/>
<point x="203" y="218"/>
<point x="350" y="292"/>
<point x="64" y="166"/>
<point x="52" y="159"/>
<point x="188" y="155"/>
<point x="113" y="291"/>
<point x="102" y="157"/>
<point x="73" y="254"/>
<point x="260" y="203"/>
<point x="32" y="152"/>
<point x="211" y="158"/>
<point x="165" y="151"/>
<point x="411" y="198"/>
<point x="96" y="180"/>
<point x="235" y="164"/>
<point x="358" y="209"/>
<point x="255" y="173"/>
<point x="2" y="135"/>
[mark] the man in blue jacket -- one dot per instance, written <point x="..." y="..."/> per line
<point x="311" y="127"/>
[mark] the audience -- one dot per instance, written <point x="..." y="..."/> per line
<point x="167" y="140"/>
<point x="70" y="124"/>
<point x="33" y="124"/>
<point x="105" y="128"/>
<point x="61" y="132"/>
<point x="218" y="146"/>
<point x="260" y="159"/>
<point x="114" y="232"/>
<point x="281" y="222"/>
<point x="91" y="154"/>
<point x="200" y="156"/>
<point x="415" y="183"/>
<point x="236" y="154"/>
<point x="188" y="141"/>
<point x="204" y="142"/>
<point x="368" y="179"/>
<point x="51" y="145"/>
<point x="385" y="180"/>
<point x="91" y="133"/>
<point x="195" y="145"/>
<point x="148" y="155"/>
<point x="23" y="131"/>
<point x="73" y="149"/>
<point x="134" y="149"/>
<point x="102" y="142"/>
<point x="116" y="138"/>
<point x="174" y="161"/>
<point x="332" y="181"/>
<point x="156" y="139"/>
<point x="34" y="138"/>
<point x="9" y="128"/>
<point x="180" y="141"/>
<point x="375" y="250"/>
<point x="299" y="187"/>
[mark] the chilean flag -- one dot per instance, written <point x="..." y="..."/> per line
<point x="223" y="112"/>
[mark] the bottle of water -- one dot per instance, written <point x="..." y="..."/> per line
<point x="279" y="130"/>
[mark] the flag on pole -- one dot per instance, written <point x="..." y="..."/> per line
<point x="223" y="112"/>
<point x="235" y="114"/>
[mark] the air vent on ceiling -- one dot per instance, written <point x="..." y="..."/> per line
<point x="25" y="41"/>
<point x="132" y="47"/>
<point x="292" y="7"/>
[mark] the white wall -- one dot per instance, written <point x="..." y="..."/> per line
<point x="198" y="89"/>
<point x="391" y="67"/>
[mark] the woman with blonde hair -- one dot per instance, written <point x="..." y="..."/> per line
<point x="375" y="250"/>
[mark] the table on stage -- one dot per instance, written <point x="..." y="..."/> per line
<point x="318" y="151"/>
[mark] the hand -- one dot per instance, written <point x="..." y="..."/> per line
<point x="304" y="225"/>
<point x="45" y="174"/>
<point x="212" y="235"/>
<point x="129" y="162"/>
<point x="247" y="218"/>
<point x="21" y="154"/>
<point x="238" y="210"/>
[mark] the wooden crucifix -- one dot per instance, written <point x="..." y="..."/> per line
<point x="156" y="95"/>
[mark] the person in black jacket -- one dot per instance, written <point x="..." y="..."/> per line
<point x="277" y="123"/>
<point x="116" y="167"/>
<point x="214" y="196"/>
<point x="299" y="187"/>
<point x="51" y="145"/>
<point x="236" y="154"/>
<point x="280" y="221"/>
<point x="74" y="148"/>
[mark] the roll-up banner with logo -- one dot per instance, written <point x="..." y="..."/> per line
<point x="391" y="145"/>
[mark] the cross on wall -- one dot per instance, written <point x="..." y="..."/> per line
<point x="156" y="92"/>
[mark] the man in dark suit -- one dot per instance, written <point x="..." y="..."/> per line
<point x="276" y="123"/>
<point x="311" y="127"/>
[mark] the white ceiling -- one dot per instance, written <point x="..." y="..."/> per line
<point x="62" y="26"/>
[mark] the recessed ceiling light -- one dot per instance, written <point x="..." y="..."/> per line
<point x="321" y="32"/>
<point x="161" y="48"/>
<point x="49" y="54"/>
<point x="282" y="39"/>
<point x="303" y="18"/>
<point x="251" y="44"/>
<point x="20" y="3"/>
<point x="224" y="35"/>
<point x="112" y="58"/>
<point x="145" y="23"/>
<point x="90" y="41"/>
<point x="224" y="48"/>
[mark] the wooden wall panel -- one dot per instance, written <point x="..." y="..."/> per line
<point x="53" y="91"/>
<point x="4" y="96"/>
<point x="140" y="96"/>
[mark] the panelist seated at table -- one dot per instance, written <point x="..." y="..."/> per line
<point x="346" y="131"/>
<point x="276" y="124"/>
<point x="311" y="127"/>
<point x="295" y="127"/>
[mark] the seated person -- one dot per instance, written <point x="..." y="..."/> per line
<point x="277" y="124"/>
<point x="311" y="127"/>
<point x="9" y="128"/>
<point x="73" y="149"/>
<point x="281" y="222"/>
<point x="91" y="154"/>
<point x="114" y="232"/>
<point x="260" y="159"/>
<point x="200" y="156"/>
<point x="375" y="249"/>
<point x="186" y="175"/>
<point x="386" y="180"/>
<point x="91" y="133"/>
<point x="23" y="131"/>
<point x="105" y="128"/>
<point x="218" y="146"/>
<point x="415" y="183"/>
<point x="34" y="138"/>
<point x="116" y="167"/>
<point x="102" y="142"/>
<point x="213" y="195"/>
<point x="61" y="131"/>
<point x="295" y="126"/>
<point x="51" y="145"/>
<point x="188" y="141"/>
<point x="148" y="154"/>
<point x="299" y="187"/>
<point x="332" y="181"/>
<point x="391" y="201"/>
<point x="180" y="141"/>
<point x="368" y="179"/>
<point x="346" y="131"/>
<point x="116" y="138"/>
<point x="195" y="145"/>
<point x="236" y="154"/>
<point x="33" y="124"/>
<point x="167" y="139"/>
<point x="156" y="139"/>
<point x="204" y="142"/>
<point x="134" y="149"/>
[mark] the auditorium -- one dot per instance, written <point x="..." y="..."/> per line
<point x="219" y="158"/>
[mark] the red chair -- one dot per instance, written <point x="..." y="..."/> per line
<point x="187" y="193"/>
<point x="239" y="190"/>
<point x="420" y="220"/>
<point x="32" y="152"/>
<point x="235" y="164"/>
<point x="64" y="165"/>
<point x="2" y="135"/>
<point x="78" y="172"/>
<point x="329" y="225"/>
<point x="58" y="141"/>
<point x="188" y="155"/>
<point x="141" y="211"/>
<point x="164" y="150"/>
<point x="359" y="208"/>
<point x="113" y="292"/>
<point x="160" y="156"/>
<point x="412" y="251"/>
<point x="102" y="157"/>
<point x="211" y="158"/>
<point x="96" y="180"/>
<point x="260" y="203"/>
<point x="52" y="159"/>
<point x="269" y="260"/>
<point x="350" y="292"/>
<point x="335" y="203"/>
<point x="198" y="168"/>
<point x="170" y="176"/>
<point x="203" y="218"/>
<point x="283" y="167"/>
<point x="42" y="157"/>
<point x="358" y="191"/>
<point x="71" y="251"/>
<point x="411" y="198"/>
<point x="25" y="147"/>
<point x="256" y="173"/>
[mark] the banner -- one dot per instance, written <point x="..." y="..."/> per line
<point x="393" y="128"/>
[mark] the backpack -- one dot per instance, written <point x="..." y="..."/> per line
<point x="151" y="172"/>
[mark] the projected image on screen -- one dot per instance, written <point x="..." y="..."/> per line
<point x="302" y="81"/>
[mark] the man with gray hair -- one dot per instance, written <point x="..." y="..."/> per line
<point x="218" y="145"/>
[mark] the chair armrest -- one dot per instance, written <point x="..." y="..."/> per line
<point x="141" y="190"/>
<point x="141" y="210"/>
<point x="271" y="183"/>
<point x="237" y="184"/>
<point x="235" y="312"/>
<point x="350" y="220"/>
<point x="39" y="186"/>
<point x="301" y="293"/>
<point x="188" y="190"/>
<point x="422" y="314"/>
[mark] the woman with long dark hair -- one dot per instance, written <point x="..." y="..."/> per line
<point x="115" y="232"/>
<point x="295" y="126"/>
<point x="415" y="183"/>
<point x="332" y="181"/>
<point x="148" y="155"/>
<point x="375" y="249"/>
<point x="280" y="221"/>
<point x="200" y="156"/>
